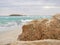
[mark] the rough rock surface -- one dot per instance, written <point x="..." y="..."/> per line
<point x="54" y="27"/>
<point x="41" y="29"/>
<point x="33" y="30"/>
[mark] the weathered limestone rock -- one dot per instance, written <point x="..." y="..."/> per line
<point x="33" y="31"/>
<point x="54" y="27"/>
<point x="52" y="30"/>
<point x="41" y="29"/>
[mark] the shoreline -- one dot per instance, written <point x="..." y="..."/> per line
<point x="9" y="36"/>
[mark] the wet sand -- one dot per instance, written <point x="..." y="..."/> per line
<point x="9" y="36"/>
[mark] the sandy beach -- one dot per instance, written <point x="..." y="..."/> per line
<point x="9" y="36"/>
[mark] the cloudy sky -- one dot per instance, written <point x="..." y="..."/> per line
<point x="29" y="7"/>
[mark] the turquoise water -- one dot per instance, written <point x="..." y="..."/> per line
<point x="13" y="22"/>
<point x="4" y="19"/>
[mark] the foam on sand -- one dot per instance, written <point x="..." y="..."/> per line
<point x="9" y="36"/>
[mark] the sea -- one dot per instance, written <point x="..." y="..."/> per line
<point x="12" y="22"/>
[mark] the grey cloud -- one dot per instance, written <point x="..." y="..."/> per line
<point x="29" y="7"/>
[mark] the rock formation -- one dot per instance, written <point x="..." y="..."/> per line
<point x="54" y="27"/>
<point x="32" y="31"/>
<point x="41" y="29"/>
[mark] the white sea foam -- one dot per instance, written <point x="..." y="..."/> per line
<point x="8" y="26"/>
<point x="25" y="21"/>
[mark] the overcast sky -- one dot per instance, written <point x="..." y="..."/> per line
<point x="29" y="7"/>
